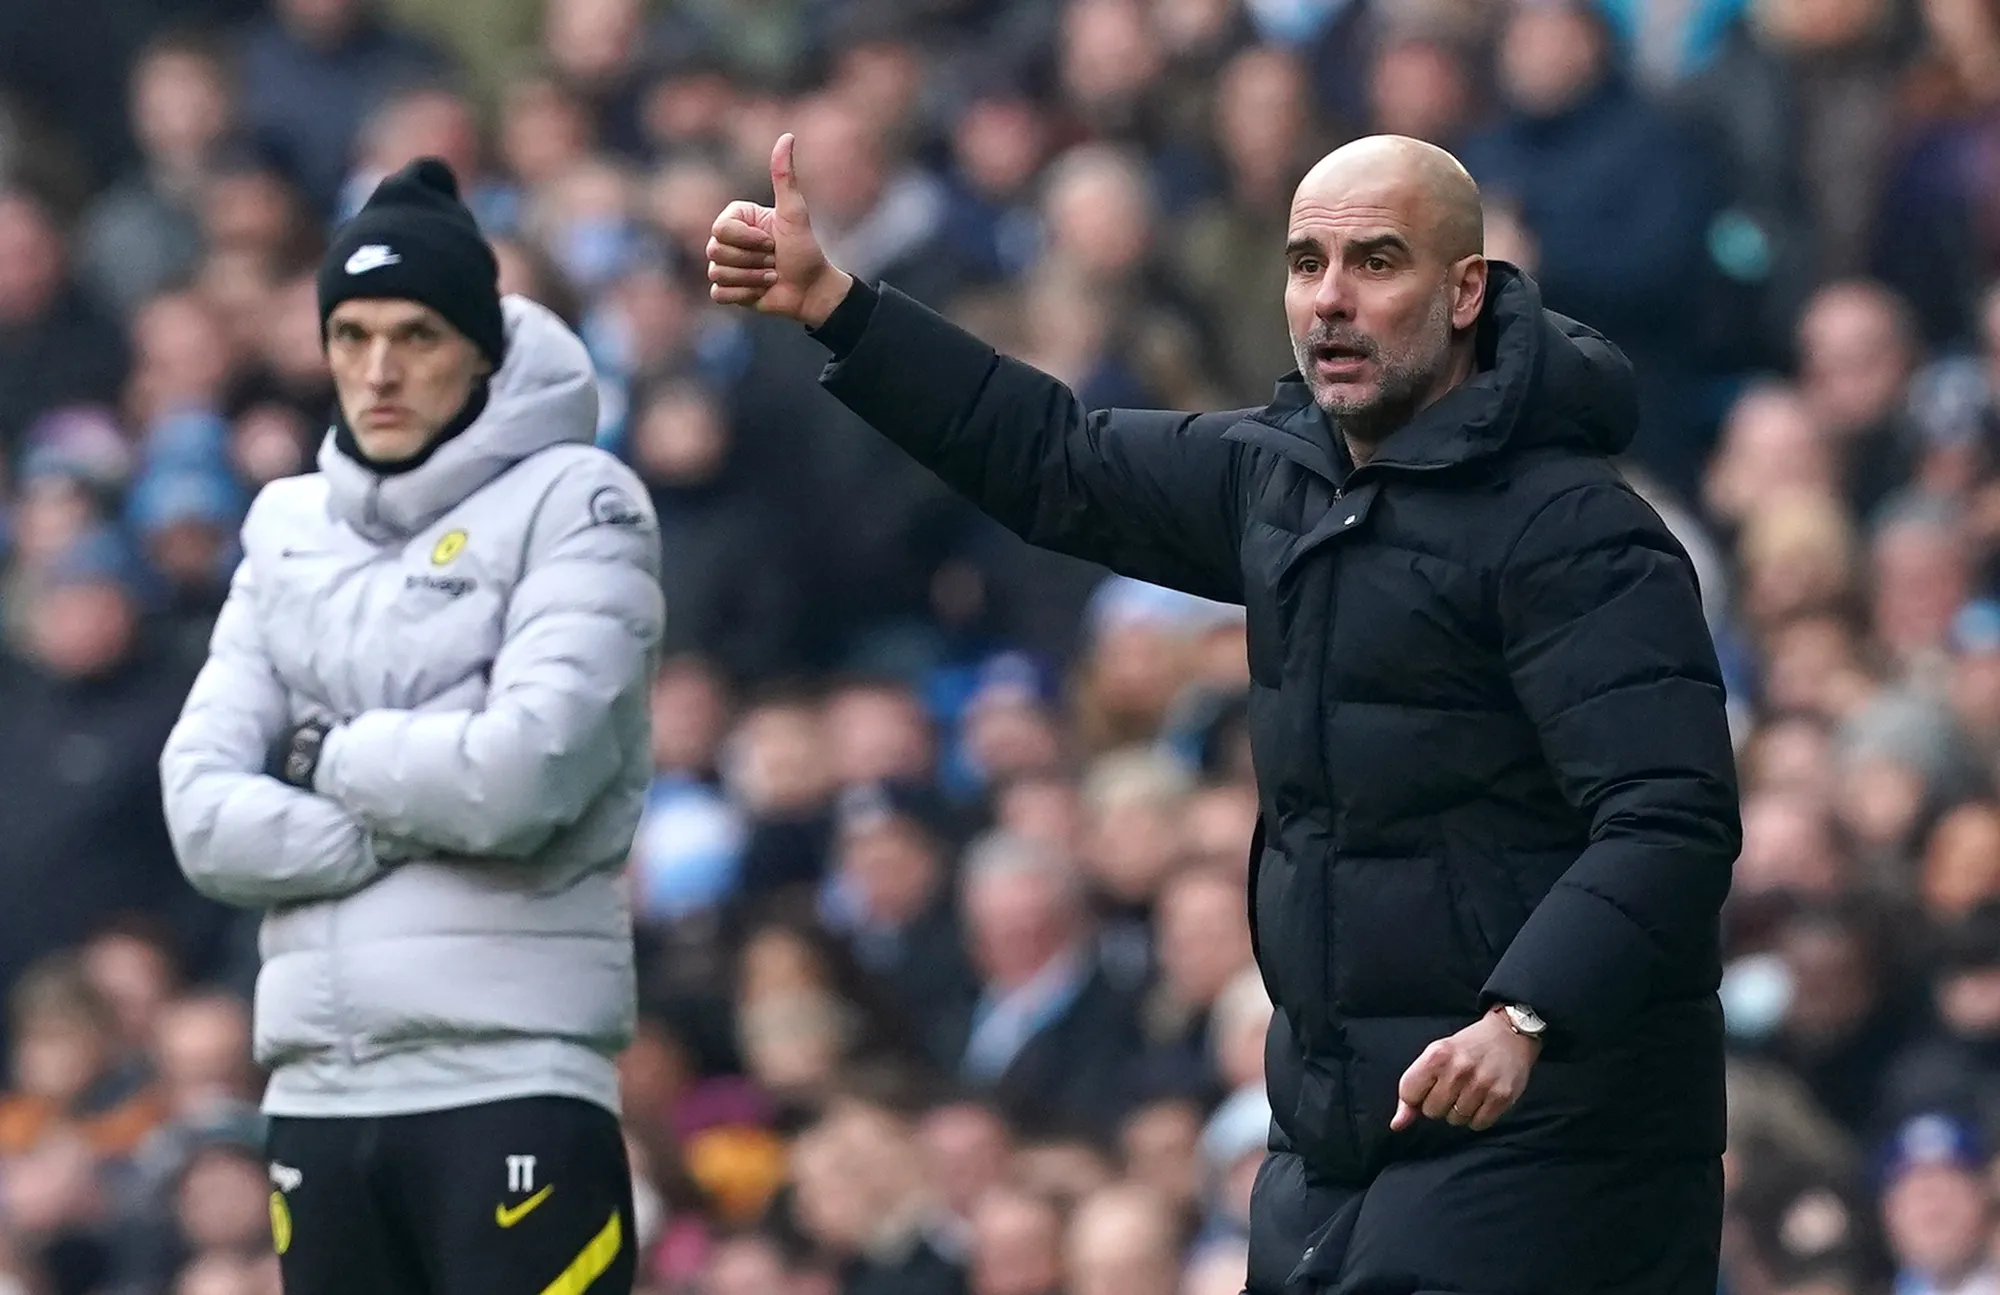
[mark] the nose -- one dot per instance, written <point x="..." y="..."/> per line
<point x="383" y="371"/>
<point x="1332" y="298"/>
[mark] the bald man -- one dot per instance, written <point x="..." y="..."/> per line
<point x="1498" y="807"/>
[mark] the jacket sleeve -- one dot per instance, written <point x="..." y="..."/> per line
<point x="1151" y="494"/>
<point x="582" y="627"/>
<point x="242" y="837"/>
<point x="1611" y="659"/>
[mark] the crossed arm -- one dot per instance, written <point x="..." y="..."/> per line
<point x="494" y="782"/>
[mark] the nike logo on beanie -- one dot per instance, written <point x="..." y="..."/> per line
<point x="372" y="257"/>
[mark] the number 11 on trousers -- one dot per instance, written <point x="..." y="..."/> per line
<point x="520" y="1173"/>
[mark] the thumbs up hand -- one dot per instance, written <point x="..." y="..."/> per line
<point x="766" y="258"/>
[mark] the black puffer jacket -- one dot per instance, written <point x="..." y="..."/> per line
<point x="1486" y="714"/>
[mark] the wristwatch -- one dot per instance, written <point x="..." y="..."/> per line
<point x="1524" y="1021"/>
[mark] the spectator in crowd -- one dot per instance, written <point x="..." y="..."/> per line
<point x="1938" y="1207"/>
<point x="1423" y="83"/>
<point x="1961" y="864"/>
<point x="890" y="893"/>
<point x="1158" y="1147"/>
<point x="967" y="1149"/>
<point x="1957" y="1067"/>
<point x="81" y="837"/>
<point x="1132" y="802"/>
<point x="999" y="142"/>
<point x="860" y="1193"/>
<point x="877" y="731"/>
<point x="806" y="1013"/>
<point x="145" y="231"/>
<point x="1016" y="1245"/>
<point x="131" y="963"/>
<point x="66" y="1069"/>
<point x="755" y="1264"/>
<point x="310" y="71"/>
<point x="430" y="120"/>
<point x="1124" y="1239"/>
<point x="726" y="565"/>
<point x="56" y="346"/>
<point x="1616" y="197"/>
<point x="1049" y="1035"/>
<point x="1849" y="1014"/>
<point x="1262" y="129"/>
<point x="1857" y="350"/>
<point x="1202" y="942"/>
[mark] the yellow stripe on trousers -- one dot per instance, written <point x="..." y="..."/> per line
<point x="589" y="1263"/>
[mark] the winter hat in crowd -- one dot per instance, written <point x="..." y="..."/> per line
<point x="170" y="496"/>
<point x="415" y="241"/>
<point x="1932" y="1139"/>
<point x="191" y="440"/>
<point x="83" y="445"/>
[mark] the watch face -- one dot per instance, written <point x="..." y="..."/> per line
<point x="1526" y="1021"/>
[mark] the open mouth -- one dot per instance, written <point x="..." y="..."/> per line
<point x="1339" y="358"/>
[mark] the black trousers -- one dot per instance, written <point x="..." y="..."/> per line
<point x="1490" y="1220"/>
<point x="527" y="1197"/>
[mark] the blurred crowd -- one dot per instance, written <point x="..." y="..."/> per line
<point x="946" y="982"/>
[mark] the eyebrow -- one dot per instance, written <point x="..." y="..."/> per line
<point x="1379" y="243"/>
<point x="400" y="328"/>
<point x="1366" y="247"/>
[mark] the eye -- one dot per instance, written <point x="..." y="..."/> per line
<point x="1307" y="265"/>
<point x="1376" y="264"/>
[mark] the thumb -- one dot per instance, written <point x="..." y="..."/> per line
<point x="790" y="203"/>
<point x="1405" y="1115"/>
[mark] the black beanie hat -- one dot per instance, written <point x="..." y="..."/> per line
<point x="415" y="241"/>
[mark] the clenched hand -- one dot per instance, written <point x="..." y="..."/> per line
<point x="767" y="258"/>
<point x="1472" y="1078"/>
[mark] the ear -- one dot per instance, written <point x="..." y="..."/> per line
<point x="1468" y="291"/>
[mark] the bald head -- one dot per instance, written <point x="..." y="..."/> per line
<point x="1427" y="184"/>
<point x="1385" y="280"/>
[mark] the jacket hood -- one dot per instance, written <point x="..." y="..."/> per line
<point x="544" y="394"/>
<point x="1542" y="379"/>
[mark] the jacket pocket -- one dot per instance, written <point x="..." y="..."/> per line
<point x="1401" y="946"/>
<point x="1322" y="1127"/>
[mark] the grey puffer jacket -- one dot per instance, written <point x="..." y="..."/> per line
<point x="445" y="923"/>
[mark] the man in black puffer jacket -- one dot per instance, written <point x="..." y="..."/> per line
<point x="1498" y="800"/>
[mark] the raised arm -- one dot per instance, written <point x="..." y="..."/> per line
<point x="1150" y="494"/>
<point x="242" y="837"/>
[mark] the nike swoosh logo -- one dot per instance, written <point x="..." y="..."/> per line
<point x="507" y="1218"/>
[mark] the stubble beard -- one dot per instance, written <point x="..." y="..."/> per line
<point x="1402" y="383"/>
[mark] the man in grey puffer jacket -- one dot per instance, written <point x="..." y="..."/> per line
<point x="420" y="743"/>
